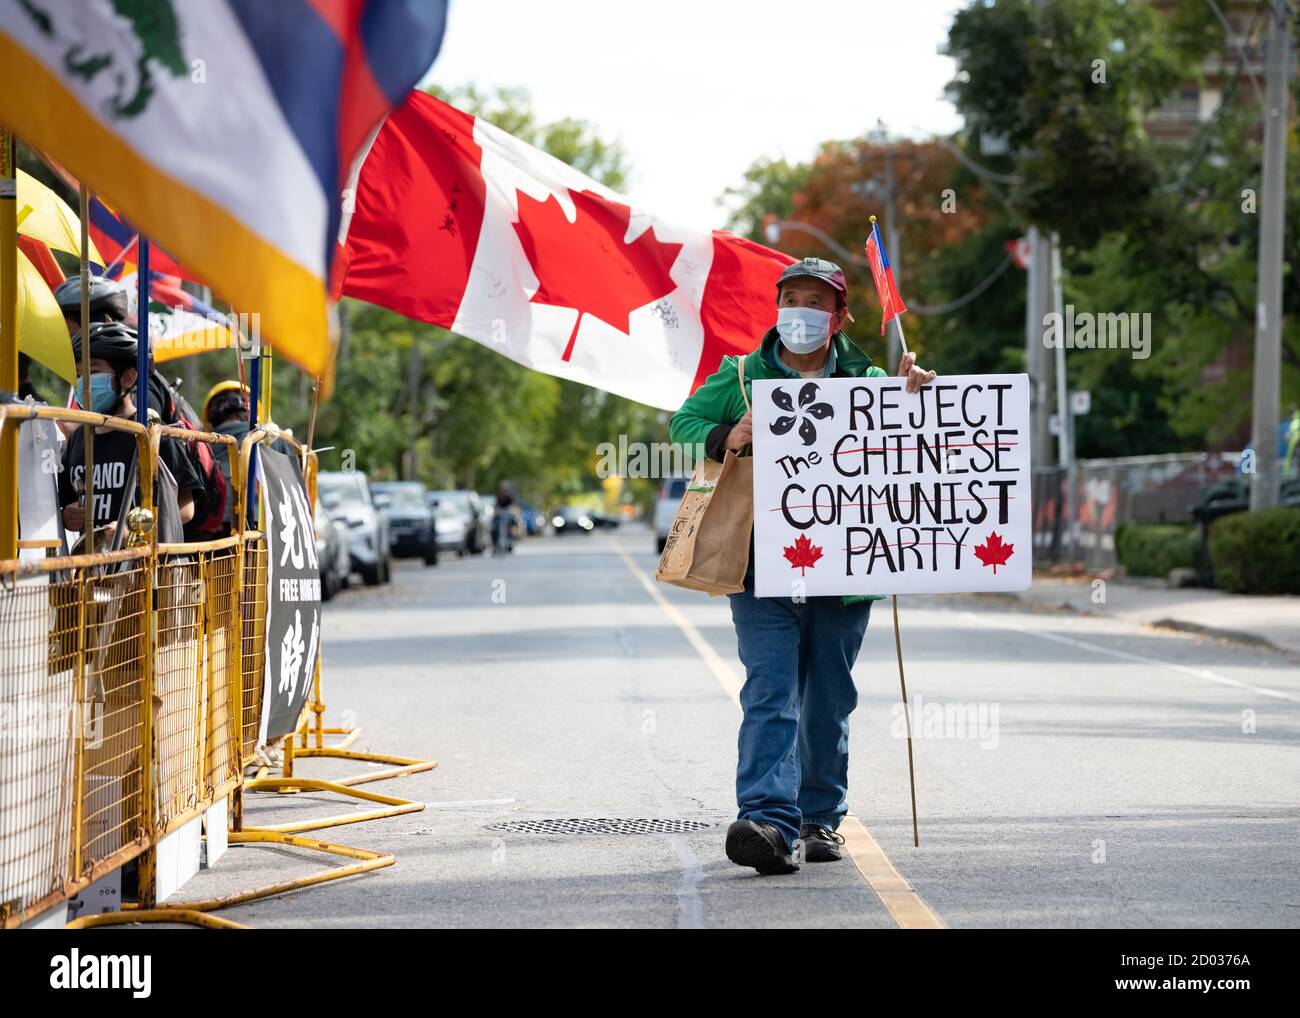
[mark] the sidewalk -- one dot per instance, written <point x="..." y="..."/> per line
<point x="1272" y="621"/>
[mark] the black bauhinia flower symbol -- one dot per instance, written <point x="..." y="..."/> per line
<point x="808" y="409"/>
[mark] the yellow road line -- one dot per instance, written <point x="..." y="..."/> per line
<point x="907" y="908"/>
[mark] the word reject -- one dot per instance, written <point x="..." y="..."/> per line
<point x="861" y="487"/>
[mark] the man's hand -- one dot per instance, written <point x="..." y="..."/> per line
<point x="74" y="516"/>
<point x="742" y="434"/>
<point x="916" y="377"/>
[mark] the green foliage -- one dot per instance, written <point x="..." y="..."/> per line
<point x="1257" y="553"/>
<point x="1153" y="550"/>
<point x="1160" y="229"/>
<point x="1189" y="260"/>
<point x="1064" y="82"/>
<point x="988" y="334"/>
<point x="769" y="189"/>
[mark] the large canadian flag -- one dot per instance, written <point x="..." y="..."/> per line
<point x="457" y="223"/>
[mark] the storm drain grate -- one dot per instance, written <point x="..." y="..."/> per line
<point x="602" y="825"/>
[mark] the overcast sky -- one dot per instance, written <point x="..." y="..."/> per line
<point x="698" y="90"/>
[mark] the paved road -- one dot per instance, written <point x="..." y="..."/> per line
<point x="1121" y="777"/>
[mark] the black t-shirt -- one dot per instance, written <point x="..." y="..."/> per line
<point x="115" y="453"/>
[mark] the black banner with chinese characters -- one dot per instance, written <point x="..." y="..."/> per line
<point x="293" y="594"/>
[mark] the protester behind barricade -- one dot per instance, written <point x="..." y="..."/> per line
<point x="112" y="392"/>
<point x="25" y="386"/>
<point x="225" y="412"/>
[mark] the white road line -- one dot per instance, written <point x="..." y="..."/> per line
<point x="1123" y="655"/>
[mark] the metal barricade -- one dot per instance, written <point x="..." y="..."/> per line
<point x="253" y="628"/>
<point x="131" y="689"/>
<point x="72" y="685"/>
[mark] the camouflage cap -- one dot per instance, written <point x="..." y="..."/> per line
<point x="815" y="268"/>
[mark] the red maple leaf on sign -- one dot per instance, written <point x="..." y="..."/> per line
<point x="585" y="264"/>
<point x="803" y="554"/>
<point x="993" y="552"/>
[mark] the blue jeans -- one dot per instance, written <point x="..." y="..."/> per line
<point x="797" y="697"/>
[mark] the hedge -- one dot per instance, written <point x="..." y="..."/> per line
<point x="1257" y="553"/>
<point x="1155" y="549"/>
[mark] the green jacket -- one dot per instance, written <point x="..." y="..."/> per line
<point x="708" y="415"/>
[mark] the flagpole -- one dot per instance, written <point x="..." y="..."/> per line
<point x="898" y="324"/>
<point x="87" y="430"/>
<point x="142" y="334"/>
<point x="8" y="343"/>
<point x="254" y="395"/>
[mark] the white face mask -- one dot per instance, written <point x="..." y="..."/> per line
<point x="803" y="330"/>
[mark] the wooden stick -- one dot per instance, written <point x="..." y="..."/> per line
<point x="907" y="715"/>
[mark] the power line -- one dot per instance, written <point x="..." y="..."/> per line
<point x="962" y="301"/>
<point x="858" y="260"/>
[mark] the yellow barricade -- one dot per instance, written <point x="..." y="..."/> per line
<point x="131" y="689"/>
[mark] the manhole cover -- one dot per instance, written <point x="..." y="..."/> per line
<point x="602" y="825"/>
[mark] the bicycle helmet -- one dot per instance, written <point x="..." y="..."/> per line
<point x="106" y="296"/>
<point x="113" y="341"/>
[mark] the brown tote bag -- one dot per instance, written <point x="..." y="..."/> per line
<point x="708" y="546"/>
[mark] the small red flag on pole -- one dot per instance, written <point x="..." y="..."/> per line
<point x="886" y="288"/>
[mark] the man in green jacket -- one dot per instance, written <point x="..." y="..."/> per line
<point x="792" y="774"/>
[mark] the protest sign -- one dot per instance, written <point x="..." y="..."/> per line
<point x="863" y="488"/>
<point x="293" y="594"/>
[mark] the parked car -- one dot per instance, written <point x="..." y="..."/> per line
<point x="346" y="495"/>
<point x="451" y="524"/>
<point x="331" y="551"/>
<point x="480" y="534"/>
<point x="666" y="506"/>
<point x="411" y="521"/>
<point x="572" y="519"/>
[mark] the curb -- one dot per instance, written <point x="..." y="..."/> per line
<point x="1238" y="636"/>
<point x="1230" y="635"/>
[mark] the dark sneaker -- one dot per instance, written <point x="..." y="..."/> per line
<point x="821" y="844"/>
<point x="761" y="845"/>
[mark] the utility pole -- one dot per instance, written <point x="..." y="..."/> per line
<point x="1268" y="307"/>
<point x="1037" y="362"/>
<point x="1033" y="337"/>
<point x="1065" y="440"/>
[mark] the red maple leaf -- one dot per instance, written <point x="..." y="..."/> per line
<point x="803" y="555"/>
<point x="993" y="552"/>
<point x="585" y="264"/>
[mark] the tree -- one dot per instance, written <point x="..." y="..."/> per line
<point x="1147" y="228"/>
<point x="769" y="189"/>
<point x="1064" y="84"/>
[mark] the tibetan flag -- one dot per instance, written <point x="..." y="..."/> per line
<point x="180" y="324"/>
<point x="224" y="129"/>
<point x="117" y="241"/>
<point x="457" y="223"/>
<point x="883" y="274"/>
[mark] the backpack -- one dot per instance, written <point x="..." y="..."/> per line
<point x="210" y="510"/>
